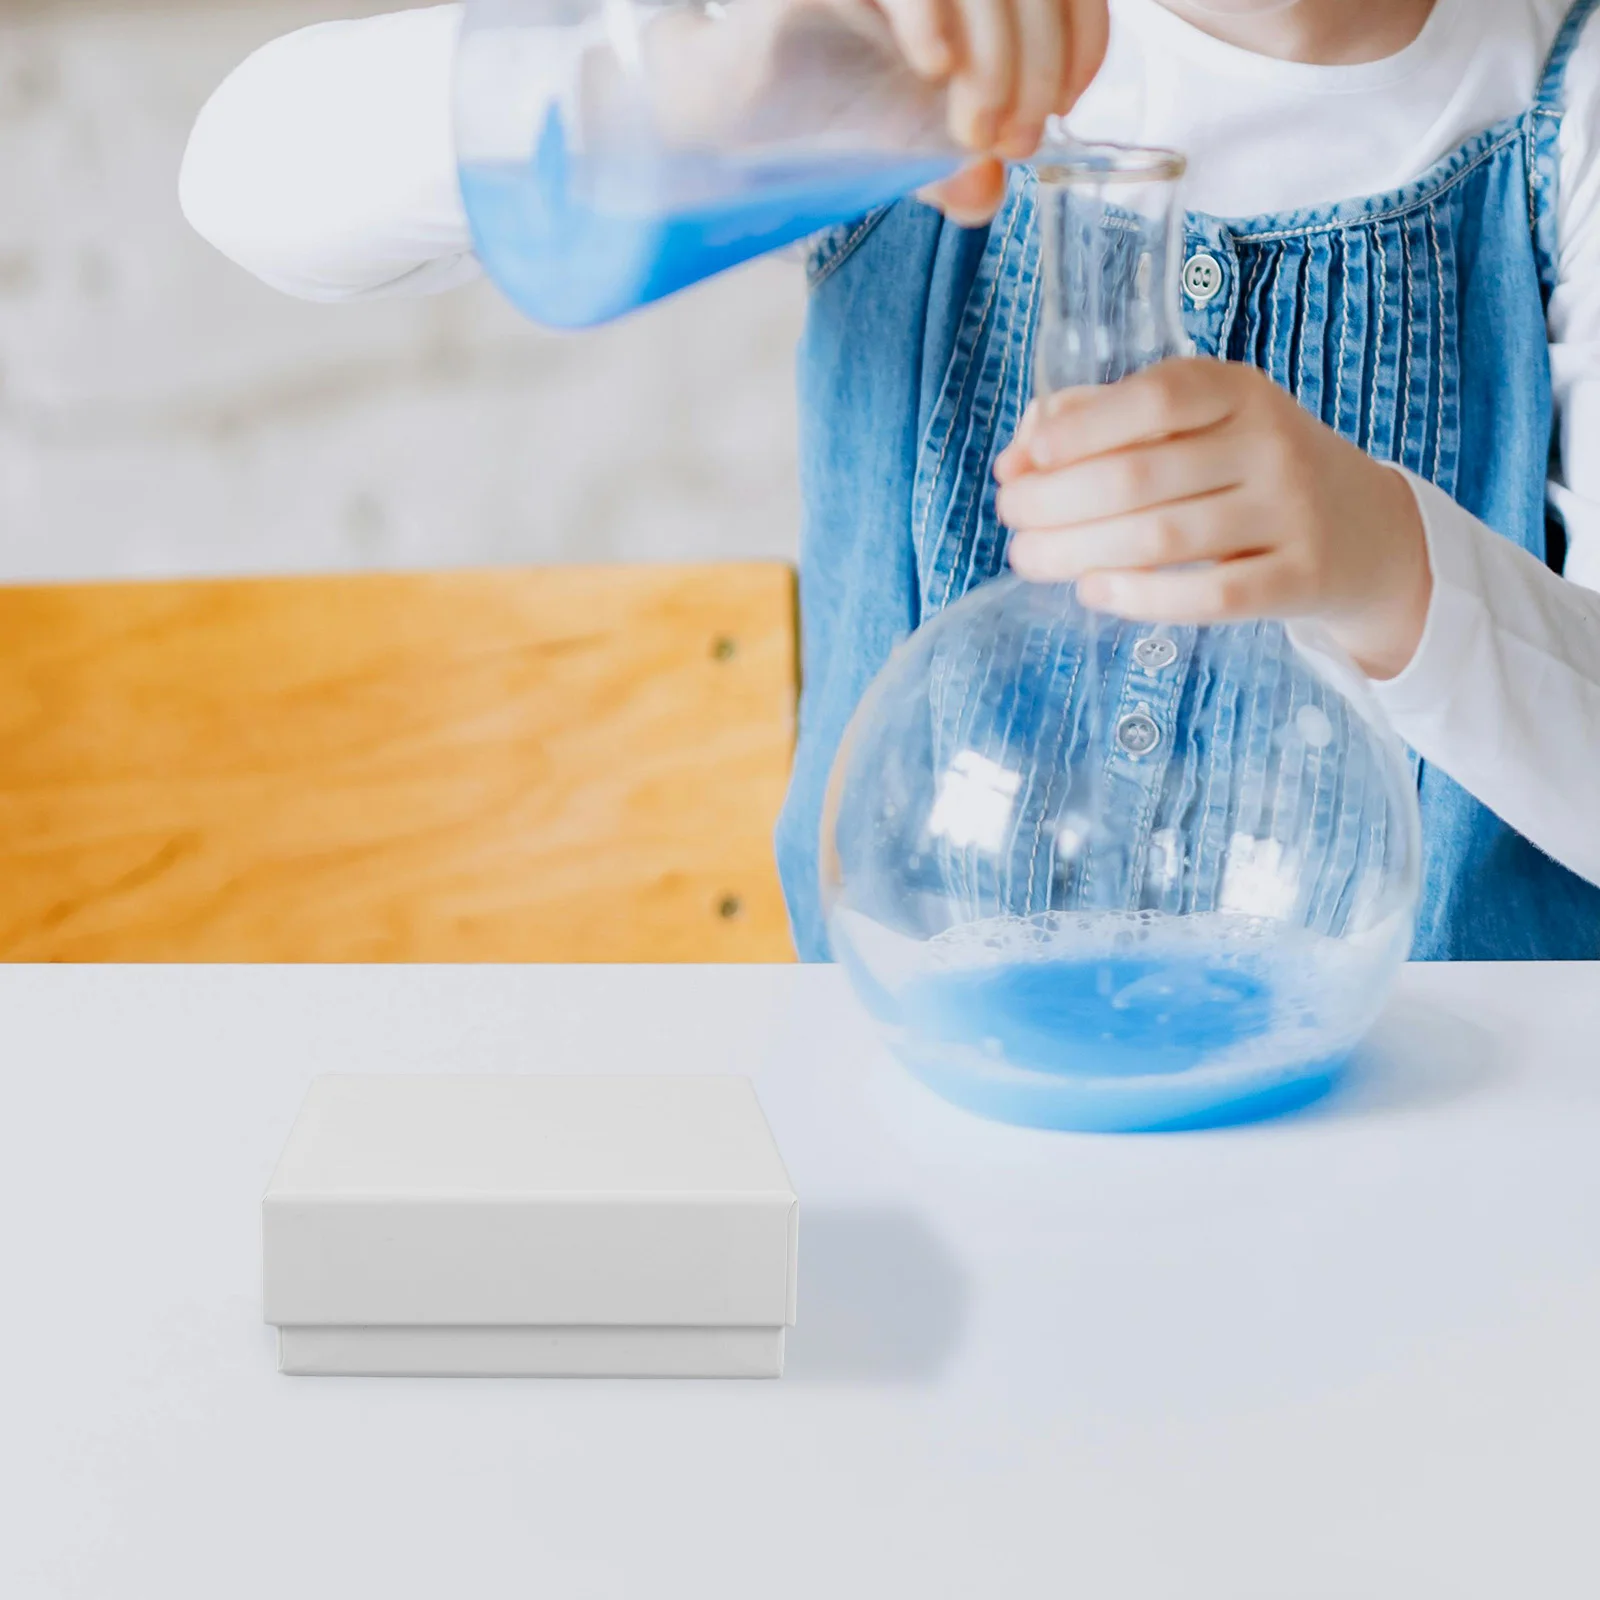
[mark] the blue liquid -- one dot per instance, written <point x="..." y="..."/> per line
<point x="1118" y="1044"/>
<point x="571" y="260"/>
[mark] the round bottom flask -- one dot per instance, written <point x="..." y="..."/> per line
<point x="1088" y="874"/>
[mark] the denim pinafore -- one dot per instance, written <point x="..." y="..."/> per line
<point x="1414" y="323"/>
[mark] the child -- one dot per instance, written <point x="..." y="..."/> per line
<point x="1396" y="249"/>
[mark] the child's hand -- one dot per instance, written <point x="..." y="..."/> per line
<point x="1010" y="64"/>
<point x="996" y="68"/>
<point x="1200" y="491"/>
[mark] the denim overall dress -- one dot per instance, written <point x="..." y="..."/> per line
<point x="1414" y="323"/>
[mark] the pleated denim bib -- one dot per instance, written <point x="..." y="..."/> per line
<point x="1414" y="323"/>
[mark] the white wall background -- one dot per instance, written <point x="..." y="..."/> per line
<point x="161" y="413"/>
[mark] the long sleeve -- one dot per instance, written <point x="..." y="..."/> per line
<point x="1575" y="317"/>
<point x="325" y="164"/>
<point x="1504" y="691"/>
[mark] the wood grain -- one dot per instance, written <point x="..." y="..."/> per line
<point x="576" y="764"/>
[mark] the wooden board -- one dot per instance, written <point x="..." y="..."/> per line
<point x="576" y="764"/>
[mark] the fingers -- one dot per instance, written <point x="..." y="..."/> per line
<point x="928" y="35"/>
<point x="972" y="196"/>
<point x="984" y="86"/>
<point x="1174" y="398"/>
<point x="1202" y="530"/>
<point x="1126" y="483"/>
<point x="1041" y="27"/>
<point x="1232" y="591"/>
<point x="1010" y="63"/>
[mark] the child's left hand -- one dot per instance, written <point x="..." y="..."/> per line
<point x="1199" y="491"/>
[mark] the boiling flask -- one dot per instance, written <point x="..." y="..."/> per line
<point x="614" y="151"/>
<point x="1094" y="875"/>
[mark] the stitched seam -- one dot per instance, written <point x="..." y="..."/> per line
<point x="1403" y="209"/>
<point x="966" y="351"/>
<point x="847" y="247"/>
<point x="1269" y="293"/>
<point x="996" y="407"/>
<point x="1300" y="322"/>
<point x="1438" y="355"/>
<point x="1382" y="332"/>
<point x="1449" y="371"/>
<point x="961" y="389"/>
<point x="1544" y="129"/>
<point x="1530" y="160"/>
<point x="1030" y="338"/>
<point x="1063" y="733"/>
<point x="1302" y="295"/>
<point x="1411" y="349"/>
<point x="1210" y="823"/>
<point x="1344" y="334"/>
<point x="1247" y="298"/>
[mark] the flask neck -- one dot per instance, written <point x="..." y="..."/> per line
<point x="1112" y="236"/>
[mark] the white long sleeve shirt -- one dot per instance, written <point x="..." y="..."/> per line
<point x="325" y="165"/>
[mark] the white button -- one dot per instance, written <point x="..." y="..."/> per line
<point x="1202" y="278"/>
<point x="1138" y="733"/>
<point x="1155" y="654"/>
<point x="1315" y="728"/>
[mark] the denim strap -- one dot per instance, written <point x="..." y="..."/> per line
<point x="1544" y="145"/>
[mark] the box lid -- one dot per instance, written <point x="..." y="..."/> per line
<point x="530" y="1201"/>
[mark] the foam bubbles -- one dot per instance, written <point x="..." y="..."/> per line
<point x="1127" y="1020"/>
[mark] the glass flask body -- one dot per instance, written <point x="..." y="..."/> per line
<point x="614" y="151"/>
<point x="1096" y="875"/>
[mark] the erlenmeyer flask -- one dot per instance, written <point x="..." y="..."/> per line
<point x="1095" y="875"/>
<point x="614" y="151"/>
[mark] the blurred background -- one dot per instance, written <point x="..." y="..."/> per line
<point x="162" y="414"/>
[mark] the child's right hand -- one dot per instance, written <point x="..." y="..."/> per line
<point x="1010" y="64"/>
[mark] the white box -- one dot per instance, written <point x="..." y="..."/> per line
<point x="550" y="1226"/>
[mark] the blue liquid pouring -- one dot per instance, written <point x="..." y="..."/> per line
<point x="1141" y="1036"/>
<point x="574" y="244"/>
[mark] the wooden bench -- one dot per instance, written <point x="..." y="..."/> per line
<point x="561" y="764"/>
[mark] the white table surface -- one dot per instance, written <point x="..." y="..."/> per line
<point x="1353" y="1355"/>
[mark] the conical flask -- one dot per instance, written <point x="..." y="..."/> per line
<point x="614" y="151"/>
<point x="1094" y="875"/>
